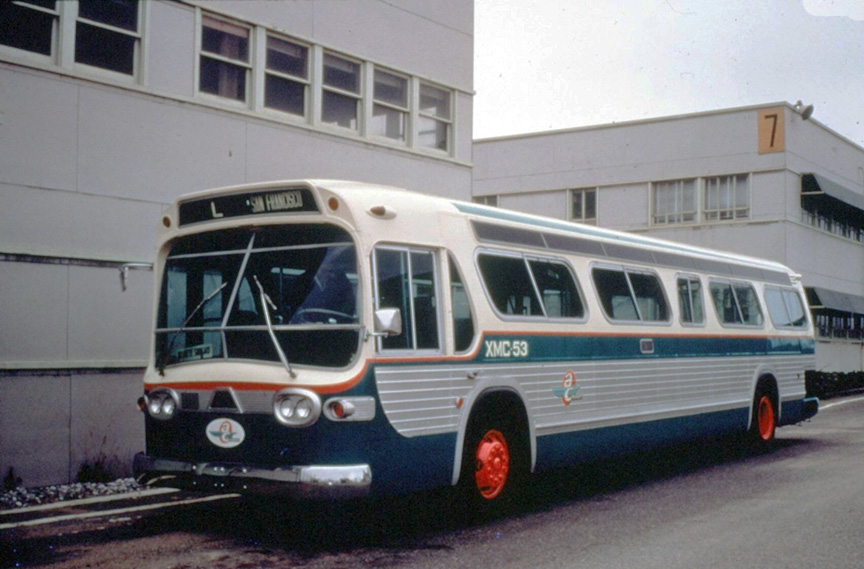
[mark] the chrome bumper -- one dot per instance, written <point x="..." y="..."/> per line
<point x="308" y="482"/>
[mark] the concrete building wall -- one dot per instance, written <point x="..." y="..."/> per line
<point x="89" y="158"/>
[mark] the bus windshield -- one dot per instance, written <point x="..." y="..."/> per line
<point x="234" y="293"/>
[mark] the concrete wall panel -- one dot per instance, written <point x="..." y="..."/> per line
<point x="33" y="312"/>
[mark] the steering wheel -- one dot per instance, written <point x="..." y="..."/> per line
<point x="322" y="315"/>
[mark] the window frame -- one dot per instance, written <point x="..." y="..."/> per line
<point x="246" y="66"/>
<point x="679" y="215"/>
<point x="526" y="259"/>
<point x="434" y="117"/>
<point x="358" y="97"/>
<point x="453" y="266"/>
<point x="137" y="37"/>
<point x="404" y="111"/>
<point x="786" y="292"/>
<point x="583" y="192"/>
<point x="627" y="271"/>
<point x="729" y="183"/>
<point x="436" y="286"/>
<point x="306" y="81"/>
<point x="689" y="278"/>
<point x="732" y="283"/>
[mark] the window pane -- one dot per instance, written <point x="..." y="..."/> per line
<point x="223" y="79"/>
<point x="435" y="102"/>
<point x="286" y="57"/>
<point x="339" y="109"/>
<point x="391" y="89"/>
<point x="425" y="305"/>
<point x="578" y="205"/>
<point x="590" y="204"/>
<point x="509" y="285"/>
<point x="26" y="29"/>
<point x="748" y="303"/>
<point x="432" y="133"/>
<point x="285" y="95"/>
<point x="649" y="297"/>
<point x="690" y="300"/>
<point x="341" y="73"/>
<point x="463" y="323"/>
<point x="227" y="40"/>
<point x="394" y="292"/>
<point x="106" y="49"/>
<point x="558" y="290"/>
<point x="614" y="294"/>
<point x="118" y="13"/>
<point x="387" y="122"/>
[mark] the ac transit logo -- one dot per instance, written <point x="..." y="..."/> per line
<point x="225" y="433"/>
<point x="569" y="390"/>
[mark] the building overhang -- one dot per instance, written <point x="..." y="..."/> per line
<point x="826" y="299"/>
<point x="821" y="195"/>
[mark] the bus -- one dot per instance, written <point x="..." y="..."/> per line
<point x="334" y="339"/>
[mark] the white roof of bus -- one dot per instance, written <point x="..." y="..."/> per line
<point x="361" y="196"/>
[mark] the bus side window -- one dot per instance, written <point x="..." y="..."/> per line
<point x="463" y="322"/>
<point x="406" y="280"/>
<point x="690" y="300"/>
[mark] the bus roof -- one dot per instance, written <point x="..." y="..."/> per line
<point x="359" y="196"/>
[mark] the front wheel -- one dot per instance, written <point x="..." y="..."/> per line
<point x="494" y="461"/>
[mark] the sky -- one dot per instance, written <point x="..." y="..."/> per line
<point x="552" y="64"/>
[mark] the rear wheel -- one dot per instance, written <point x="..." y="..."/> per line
<point x="763" y="423"/>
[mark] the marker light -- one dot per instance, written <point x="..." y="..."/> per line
<point x="296" y="407"/>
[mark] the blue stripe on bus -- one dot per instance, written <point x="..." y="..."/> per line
<point x="563" y="450"/>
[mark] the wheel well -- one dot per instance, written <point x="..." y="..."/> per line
<point x="501" y="402"/>
<point x="767" y="384"/>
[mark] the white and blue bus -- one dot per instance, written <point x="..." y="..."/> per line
<point x="336" y="339"/>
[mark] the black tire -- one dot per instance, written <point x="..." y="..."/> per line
<point x="495" y="457"/>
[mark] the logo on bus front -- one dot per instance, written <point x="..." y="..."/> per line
<point x="225" y="433"/>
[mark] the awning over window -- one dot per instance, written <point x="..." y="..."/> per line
<point x="830" y="198"/>
<point x="822" y="298"/>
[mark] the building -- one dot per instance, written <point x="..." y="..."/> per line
<point x="767" y="181"/>
<point x="110" y="110"/>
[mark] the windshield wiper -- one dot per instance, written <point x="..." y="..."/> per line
<point x="265" y="300"/>
<point x="167" y="352"/>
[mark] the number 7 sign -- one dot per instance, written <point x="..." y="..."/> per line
<point x="771" y="132"/>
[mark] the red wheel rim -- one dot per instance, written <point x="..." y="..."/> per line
<point x="493" y="464"/>
<point x="765" y="418"/>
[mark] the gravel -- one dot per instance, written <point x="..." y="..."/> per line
<point x="23" y="497"/>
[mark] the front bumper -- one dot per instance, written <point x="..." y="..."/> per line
<point x="305" y="482"/>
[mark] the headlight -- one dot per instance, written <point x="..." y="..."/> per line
<point x="296" y="407"/>
<point x="162" y="404"/>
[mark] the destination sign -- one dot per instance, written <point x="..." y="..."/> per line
<point x="253" y="203"/>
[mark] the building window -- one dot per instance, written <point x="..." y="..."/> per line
<point x="486" y="200"/>
<point x="390" y="108"/>
<point x="340" y="101"/>
<point x="433" y="123"/>
<point x="29" y="25"/>
<point x="673" y="202"/>
<point x="727" y="197"/>
<point x="106" y="34"/>
<point x="287" y="77"/>
<point x="224" y="59"/>
<point x="583" y="206"/>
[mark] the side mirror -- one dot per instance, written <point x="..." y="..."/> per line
<point x="388" y="322"/>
